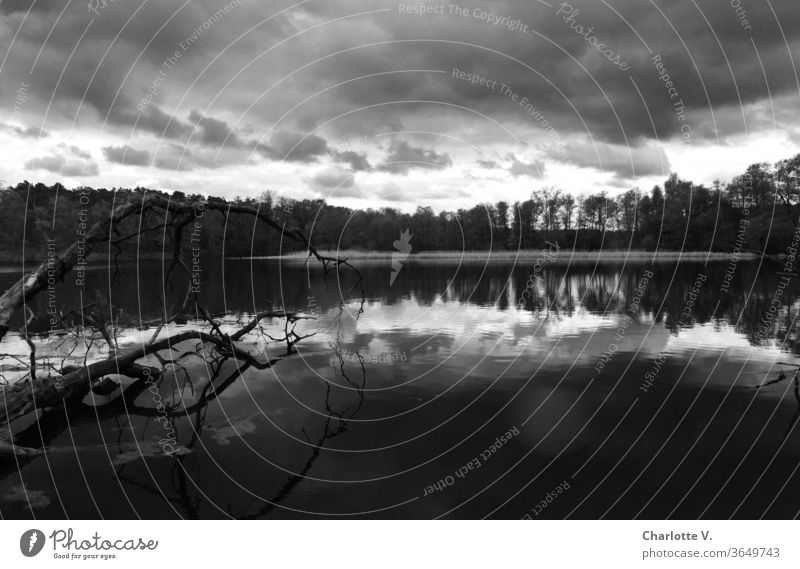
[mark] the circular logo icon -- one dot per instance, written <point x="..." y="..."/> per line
<point x="31" y="542"/>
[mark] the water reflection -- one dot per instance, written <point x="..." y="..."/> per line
<point x="341" y="429"/>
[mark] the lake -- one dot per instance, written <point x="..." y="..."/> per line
<point x="461" y="389"/>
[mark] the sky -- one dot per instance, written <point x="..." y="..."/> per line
<point x="387" y="104"/>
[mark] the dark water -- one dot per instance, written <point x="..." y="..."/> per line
<point x="560" y="407"/>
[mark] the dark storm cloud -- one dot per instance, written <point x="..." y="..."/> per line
<point x="213" y="131"/>
<point x="334" y="177"/>
<point x="76" y="152"/>
<point x="116" y="60"/>
<point x="26" y="132"/>
<point x="533" y="169"/>
<point x="391" y="192"/>
<point x="126" y="155"/>
<point x="488" y="164"/>
<point x="51" y="163"/>
<point x="357" y="160"/>
<point x="65" y="160"/>
<point x="402" y="158"/>
<point x="152" y="120"/>
<point x="566" y="77"/>
<point x="11" y="6"/>
<point x="294" y="147"/>
<point x="624" y="161"/>
<point x="713" y="62"/>
<point x="174" y="157"/>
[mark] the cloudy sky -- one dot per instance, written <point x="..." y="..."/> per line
<point x="372" y="104"/>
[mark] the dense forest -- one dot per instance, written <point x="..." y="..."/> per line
<point x="756" y="210"/>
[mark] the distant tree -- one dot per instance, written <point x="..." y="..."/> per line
<point x="628" y="206"/>
<point x="787" y="184"/>
<point x="568" y="206"/>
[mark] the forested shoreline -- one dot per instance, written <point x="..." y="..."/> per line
<point x="757" y="210"/>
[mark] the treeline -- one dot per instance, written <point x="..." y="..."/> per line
<point x="754" y="210"/>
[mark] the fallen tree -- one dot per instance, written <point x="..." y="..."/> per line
<point x="177" y="215"/>
<point x="26" y="397"/>
<point x="69" y="383"/>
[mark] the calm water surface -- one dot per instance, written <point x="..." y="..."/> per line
<point x="442" y="395"/>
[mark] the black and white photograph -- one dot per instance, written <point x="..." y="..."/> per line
<point x="503" y="260"/>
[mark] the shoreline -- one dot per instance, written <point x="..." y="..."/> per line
<point x="564" y="256"/>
